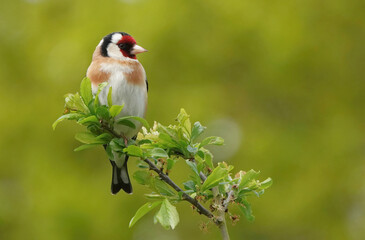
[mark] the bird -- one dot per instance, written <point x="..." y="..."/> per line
<point x="114" y="61"/>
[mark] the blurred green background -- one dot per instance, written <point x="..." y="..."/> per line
<point x="281" y="81"/>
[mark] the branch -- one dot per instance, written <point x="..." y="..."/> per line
<point x="221" y="209"/>
<point x="165" y="178"/>
<point x="222" y="216"/>
<point x="228" y="199"/>
<point x="110" y="130"/>
<point x="223" y="225"/>
<point x="168" y="180"/>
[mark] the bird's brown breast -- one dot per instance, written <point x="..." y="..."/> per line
<point x="96" y="75"/>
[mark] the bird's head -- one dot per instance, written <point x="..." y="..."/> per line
<point x="120" y="45"/>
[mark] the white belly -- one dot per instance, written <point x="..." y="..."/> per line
<point x="133" y="97"/>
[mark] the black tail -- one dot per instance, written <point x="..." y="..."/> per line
<point x="120" y="179"/>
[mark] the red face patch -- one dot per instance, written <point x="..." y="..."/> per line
<point x="125" y="45"/>
<point x="127" y="39"/>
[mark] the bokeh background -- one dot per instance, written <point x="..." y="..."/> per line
<point x="281" y="81"/>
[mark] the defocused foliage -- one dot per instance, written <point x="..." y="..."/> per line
<point x="281" y="81"/>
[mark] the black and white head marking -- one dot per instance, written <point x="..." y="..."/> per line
<point x="109" y="39"/>
<point x="117" y="45"/>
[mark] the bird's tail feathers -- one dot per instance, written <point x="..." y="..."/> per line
<point x="120" y="178"/>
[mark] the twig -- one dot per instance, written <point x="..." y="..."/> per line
<point x="219" y="220"/>
<point x="110" y="130"/>
<point x="185" y="196"/>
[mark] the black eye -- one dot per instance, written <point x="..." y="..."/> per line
<point x="122" y="45"/>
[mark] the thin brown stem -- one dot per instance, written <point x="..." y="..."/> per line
<point x="219" y="220"/>
<point x="185" y="196"/>
<point x="111" y="131"/>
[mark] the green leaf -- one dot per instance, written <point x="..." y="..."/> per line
<point x="247" y="211"/>
<point x="218" y="174"/>
<point x="127" y="123"/>
<point x="200" y="166"/>
<point x="167" y="140"/>
<point x="158" y="153"/>
<point x="184" y="120"/>
<point x="146" y="208"/>
<point x="193" y="167"/>
<point x="90" y="119"/>
<point x="74" y="102"/>
<point x="133" y="150"/>
<point x="117" y="144"/>
<point x="248" y="177"/>
<point x="212" y="141"/>
<point x="192" y="150"/>
<point x="165" y="137"/>
<point x="109" y="152"/>
<point x="110" y="101"/>
<point x="200" y="153"/>
<point x="93" y="128"/>
<point x="85" y="146"/>
<point x="142" y="164"/>
<point x="266" y="183"/>
<point x="69" y="116"/>
<point x="115" y="110"/>
<point x="208" y="158"/>
<point x="195" y="177"/>
<point x="154" y="196"/>
<point x="142" y="177"/>
<point x="167" y="216"/>
<point x="100" y="87"/>
<point x="144" y="141"/>
<point x="170" y="163"/>
<point x="197" y="130"/>
<point x="91" y="107"/>
<point x="102" y="112"/>
<point x="189" y="185"/>
<point x="141" y="120"/>
<point x="162" y="187"/>
<point x="89" y="138"/>
<point x="85" y="90"/>
<point x="105" y="136"/>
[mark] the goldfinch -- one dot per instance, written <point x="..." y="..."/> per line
<point x="114" y="61"/>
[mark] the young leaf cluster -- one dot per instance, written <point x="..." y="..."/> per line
<point x="166" y="145"/>
<point x="158" y="149"/>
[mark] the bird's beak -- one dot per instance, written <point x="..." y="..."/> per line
<point x="137" y="49"/>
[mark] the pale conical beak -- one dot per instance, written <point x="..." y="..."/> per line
<point x="137" y="49"/>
